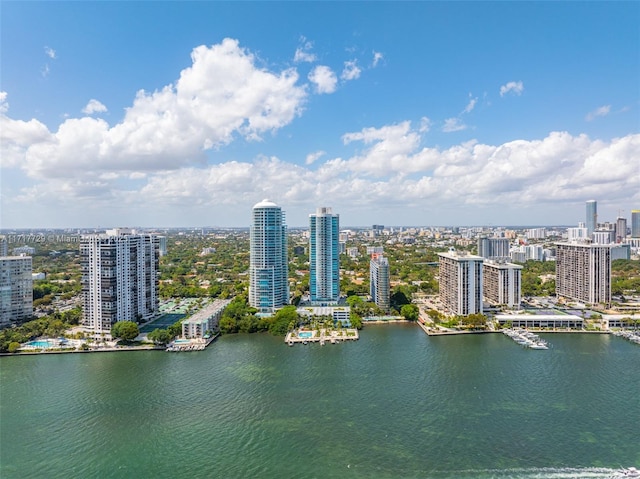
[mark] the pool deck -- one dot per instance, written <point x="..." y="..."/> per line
<point x="323" y="336"/>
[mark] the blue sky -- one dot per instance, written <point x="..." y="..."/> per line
<point x="414" y="113"/>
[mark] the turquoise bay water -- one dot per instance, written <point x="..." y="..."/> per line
<point x="396" y="403"/>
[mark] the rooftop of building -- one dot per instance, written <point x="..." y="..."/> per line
<point x="265" y="204"/>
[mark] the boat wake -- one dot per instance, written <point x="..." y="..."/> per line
<point x="541" y="473"/>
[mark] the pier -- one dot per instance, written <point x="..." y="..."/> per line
<point x="526" y="338"/>
<point x="321" y="336"/>
<point x="195" y="344"/>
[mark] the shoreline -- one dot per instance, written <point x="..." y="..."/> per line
<point x="101" y="350"/>
<point x="427" y="330"/>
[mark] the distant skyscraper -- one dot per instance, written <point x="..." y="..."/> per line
<point x="577" y="234"/>
<point x="4" y="247"/>
<point x="269" y="266"/>
<point x="502" y="283"/>
<point x="324" y="256"/>
<point x="379" y="288"/>
<point x="493" y="248"/>
<point x="162" y="241"/>
<point x="583" y="272"/>
<point x="635" y="223"/>
<point x="621" y="229"/>
<point x="16" y="289"/>
<point x="592" y="216"/>
<point x="119" y="279"/>
<point x="461" y="283"/>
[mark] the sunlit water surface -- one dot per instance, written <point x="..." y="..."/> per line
<point x="396" y="403"/>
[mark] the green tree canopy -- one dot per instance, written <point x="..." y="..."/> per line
<point x="282" y="320"/>
<point x="125" y="330"/>
<point x="160" y="336"/>
<point x="410" y="312"/>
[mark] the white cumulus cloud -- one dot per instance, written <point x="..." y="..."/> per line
<point x="377" y="58"/>
<point x="601" y="111"/>
<point x="94" y="106"/>
<point x="50" y="52"/>
<point x="303" y="52"/>
<point x="425" y="124"/>
<point x="515" y="87"/>
<point x="313" y="157"/>
<point x="324" y="79"/>
<point x="453" y="124"/>
<point x="471" y="105"/>
<point x="351" y="70"/>
<point x="221" y="96"/>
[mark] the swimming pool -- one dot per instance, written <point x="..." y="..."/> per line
<point x="305" y="334"/>
<point x="40" y="344"/>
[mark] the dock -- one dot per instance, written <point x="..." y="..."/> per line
<point x="196" y="344"/>
<point x="526" y="338"/>
<point x="321" y="336"/>
<point x="633" y="336"/>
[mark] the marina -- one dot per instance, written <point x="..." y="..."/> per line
<point x="633" y="336"/>
<point x="526" y="338"/>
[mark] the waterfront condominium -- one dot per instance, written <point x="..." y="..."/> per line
<point x="502" y="283"/>
<point x="119" y="279"/>
<point x="16" y="289"/>
<point x="379" y="288"/>
<point x="268" y="264"/>
<point x="461" y="282"/>
<point x="592" y="216"/>
<point x="324" y="256"/>
<point x="583" y="272"/>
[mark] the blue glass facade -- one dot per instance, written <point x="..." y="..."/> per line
<point x="324" y="256"/>
<point x="268" y="269"/>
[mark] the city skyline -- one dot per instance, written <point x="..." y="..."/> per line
<point x="412" y="114"/>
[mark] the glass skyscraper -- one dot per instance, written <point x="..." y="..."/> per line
<point x="635" y="223"/>
<point x="379" y="286"/>
<point x="268" y="267"/>
<point x="324" y="256"/>
<point x="592" y="216"/>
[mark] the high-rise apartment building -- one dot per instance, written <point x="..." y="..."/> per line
<point x="577" y="234"/>
<point x="536" y="233"/>
<point x="583" y="272"/>
<point x="603" y="236"/>
<point x="119" y="279"/>
<point x="379" y="285"/>
<point x="4" y="246"/>
<point x="268" y="264"/>
<point x="16" y="289"/>
<point x="324" y="256"/>
<point x="621" y="229"/>
<point x="162" y="248"/>
<point x="502" y="283"/>
<point x="592" y="216"/>
<point x="461" y="282"/>
<point x="493" y="248"/>
<point x="635" y="223"/>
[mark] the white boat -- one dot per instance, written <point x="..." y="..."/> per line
<point x="538" y="346"/>
<point x="628" y="472"/>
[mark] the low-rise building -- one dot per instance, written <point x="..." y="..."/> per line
<point x="204" y="320"/>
